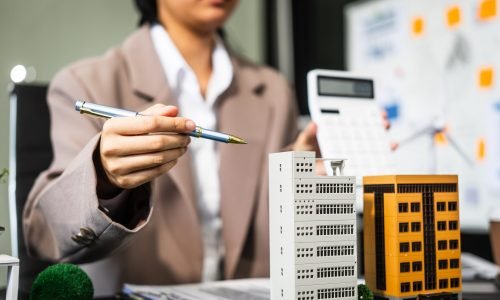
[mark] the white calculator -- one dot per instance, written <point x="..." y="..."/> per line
<point x="350" y="124"/>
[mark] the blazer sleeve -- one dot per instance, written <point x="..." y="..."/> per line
<point x="62" y="220"/>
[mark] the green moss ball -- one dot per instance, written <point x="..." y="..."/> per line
<point x="63" y="282"/>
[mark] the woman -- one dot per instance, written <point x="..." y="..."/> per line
<point x="153" y="208"/>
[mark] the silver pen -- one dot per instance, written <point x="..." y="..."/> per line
<point x="110" y="112"/>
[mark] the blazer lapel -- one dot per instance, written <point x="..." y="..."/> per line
<point x="148" y="82"/>
<point x="243" y="114"/>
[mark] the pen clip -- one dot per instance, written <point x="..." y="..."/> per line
<point x="85" y="110"/>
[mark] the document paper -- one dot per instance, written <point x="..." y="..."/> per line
<point x="243" y="289"/>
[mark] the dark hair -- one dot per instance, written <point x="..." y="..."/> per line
<point x="148" y="11"/>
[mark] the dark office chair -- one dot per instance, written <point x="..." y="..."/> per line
<point x="30" y="154"/>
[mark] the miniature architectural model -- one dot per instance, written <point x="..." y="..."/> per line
<point x="312" y="230"/>
<point x="412" y="236"/>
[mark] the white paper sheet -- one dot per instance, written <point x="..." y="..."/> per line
<point x="244" y="289"/>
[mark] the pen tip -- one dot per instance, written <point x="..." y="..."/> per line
<point x="235" y="140"/>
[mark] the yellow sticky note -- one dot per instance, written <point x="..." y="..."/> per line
<point x="486" y="76"/>
<point x="453" y="16"/>
<point x="487" y="10"/>
<point x="481" y="149"/>
<point x="418" y="26"/>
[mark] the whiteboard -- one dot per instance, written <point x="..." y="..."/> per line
<point x="437" y="67"/>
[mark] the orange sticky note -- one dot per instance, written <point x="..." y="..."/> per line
<point x="418" y="26"/>
<point x="486" y="76"/>
<point x="487" y="10"/>
<point x="453" y="16"/>
<point x="440" y="138"/>
<point x="481" y="149"/>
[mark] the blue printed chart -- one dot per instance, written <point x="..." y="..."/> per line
<point x="437" y="68"/>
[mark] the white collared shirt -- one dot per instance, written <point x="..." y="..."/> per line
<point x="205" y="160"/>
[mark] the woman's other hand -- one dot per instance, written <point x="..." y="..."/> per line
<point x="306" y="141"/>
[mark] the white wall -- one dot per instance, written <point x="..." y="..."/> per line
<point x="50" y="34"/>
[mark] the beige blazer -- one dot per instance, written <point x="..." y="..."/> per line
<point x="62" y="221"/>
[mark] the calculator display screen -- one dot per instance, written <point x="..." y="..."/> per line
<point x="345" y="87"/>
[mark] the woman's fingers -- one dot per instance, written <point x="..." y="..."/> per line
<point x="138" y="178"/>
<point x="161" y="110"/>
<point x="140" y="144"/>
<point x="306" y="141"/>
<point x="148" y="124"/>
<point x="133" y="163"/>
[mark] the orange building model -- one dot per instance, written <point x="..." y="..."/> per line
<point x="412" y="236"/>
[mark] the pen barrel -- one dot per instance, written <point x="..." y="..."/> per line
<point x="111" y="112"/>
<point x="103" y="111"/>
<point x="209" y="134"/>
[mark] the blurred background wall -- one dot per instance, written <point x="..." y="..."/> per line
<point x="49" y="34"/>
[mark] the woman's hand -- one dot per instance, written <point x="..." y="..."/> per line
<point x="135" y="150"/>
<point x="306" y="141"/>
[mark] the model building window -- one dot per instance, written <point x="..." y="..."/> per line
<point x="441" y="206"/>
<point x="442" y="245"/>
<point x="453" y="244"/>
<point x="405" y="287"/>
<point x="403" y="207"/>
<point x="415" y="207"/>
<point x="453" y="225"/>
<point x="441" y="225"/>
<point x="416" y="246"/>
<point x="403" y="227"/>
<point x="404" y="247"/>
<point x="454" y="282"/>
<point x="452" y="206"/>
<point x="454" y="263"/>
<point x="416" y="267"/>
<point x="415" y="226"/>
<point x="404" y="267"/>
<point x="417" y="286"/>
<point x="443" y="264"/>
<point x="443" y="283"/>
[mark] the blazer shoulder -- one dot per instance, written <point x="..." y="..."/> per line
<point x="92" y="72"/>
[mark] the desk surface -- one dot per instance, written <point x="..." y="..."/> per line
<point x="258" y="289"/>
<point x="471" y="291"/>
<point x="480" y="291"/>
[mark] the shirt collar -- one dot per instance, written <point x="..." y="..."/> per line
<point x="174" y="64"/>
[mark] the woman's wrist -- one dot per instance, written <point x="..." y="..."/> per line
<point x="104" y="189"/>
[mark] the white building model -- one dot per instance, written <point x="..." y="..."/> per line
<point x="312" y="230"/>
